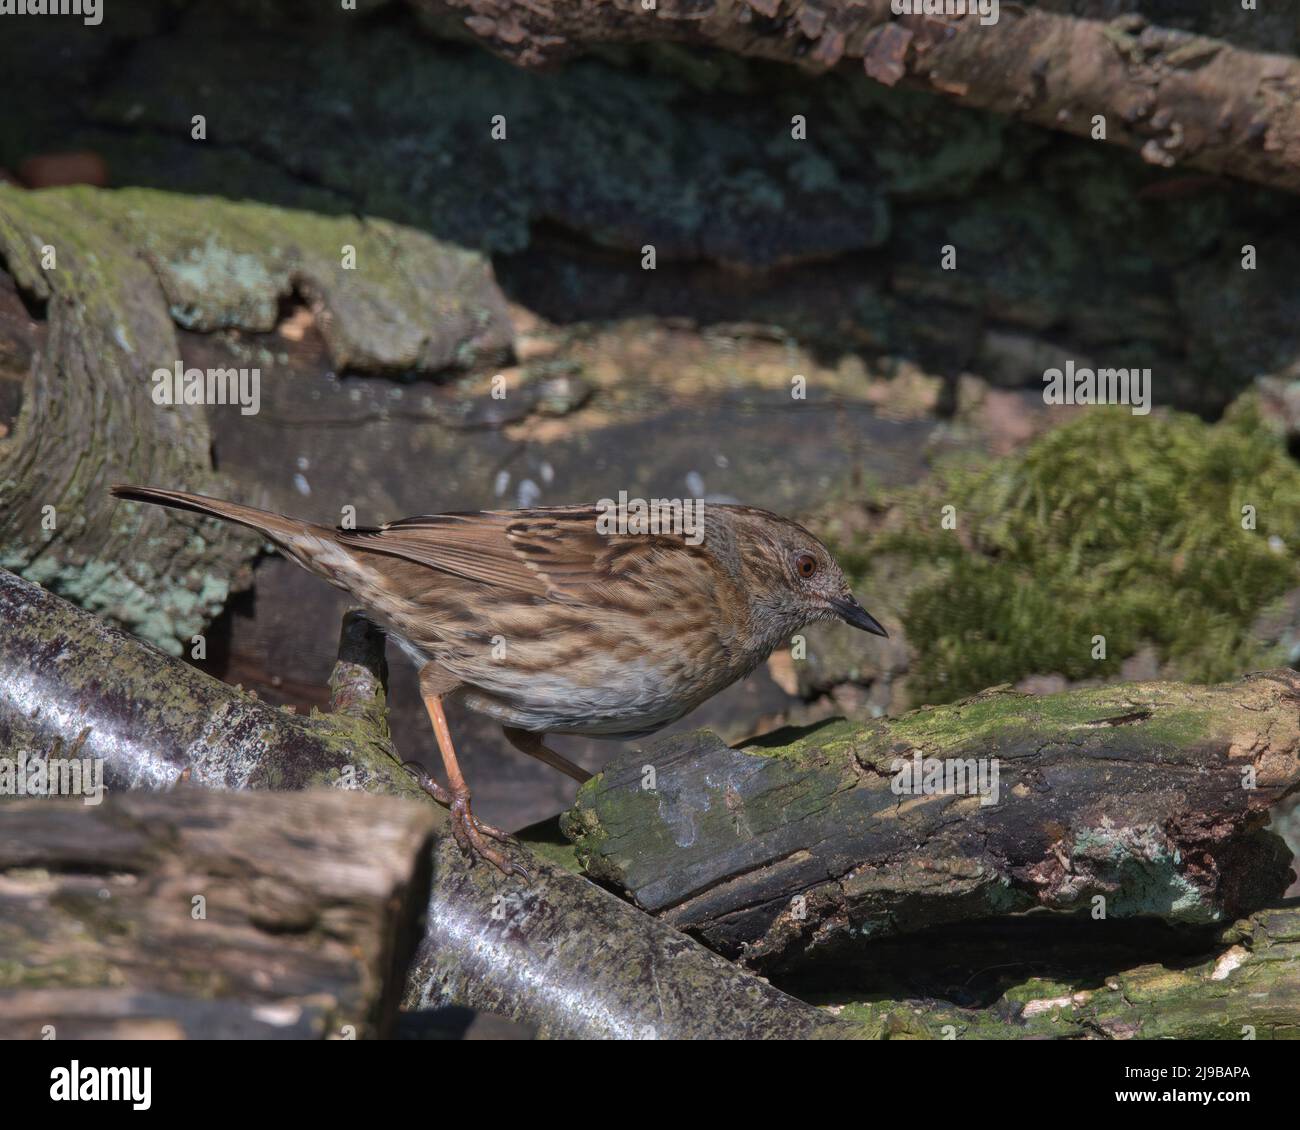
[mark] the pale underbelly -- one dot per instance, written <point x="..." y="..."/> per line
<point x="556" y="705"/>
<point x="632" y="700"/>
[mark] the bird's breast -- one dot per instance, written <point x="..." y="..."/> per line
<point x="625" y="694"/>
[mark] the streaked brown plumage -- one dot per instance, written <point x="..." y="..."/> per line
<point x="549" y="626"/>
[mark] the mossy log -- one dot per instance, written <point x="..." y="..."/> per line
<point x="555" y="953"/>
<point x="1242" y="985"/>
<point x="110" y="276"/>
<point x="1176" y="97"/>
<point x="1122" y="801"/>
<point x="208" y="914"/>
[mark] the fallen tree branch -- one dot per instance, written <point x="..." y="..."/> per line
<point x="565" y="956"/>
<point x="69" y="681"/>
<point x="209" y="914"/>
<point x="1176" y="97"/>
<point x="558" y="953"/>
<point x="1150" y="797"/>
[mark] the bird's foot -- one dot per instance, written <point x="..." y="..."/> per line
<point x="470" y="832"/>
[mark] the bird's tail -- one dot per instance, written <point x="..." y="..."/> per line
<point x="305" y="542"/>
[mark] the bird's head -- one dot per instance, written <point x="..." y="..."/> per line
<point x="799" y="579"/>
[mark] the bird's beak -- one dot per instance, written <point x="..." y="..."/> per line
<point x="851" y="612"/>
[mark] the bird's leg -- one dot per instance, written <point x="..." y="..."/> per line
<point x="533" y="745"/>
<point x="469" y="830"/>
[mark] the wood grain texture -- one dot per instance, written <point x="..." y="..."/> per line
<point x="202" y="914"/>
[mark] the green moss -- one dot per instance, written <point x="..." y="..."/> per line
<point x="1124" y="527"/>
<point x="546" y="839"/>
<point x="361" y="746"/>
<point x="406" y="301"/>
<point x="834" y="738"/>
<point x="992" y="719"/>
<point x="1203" y="1000"/>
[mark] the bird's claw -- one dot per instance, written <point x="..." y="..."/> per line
<point x="467" y="829"/>
<point x="469" y="832"/>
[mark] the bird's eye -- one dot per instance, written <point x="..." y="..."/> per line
<point x="805" y="565"/>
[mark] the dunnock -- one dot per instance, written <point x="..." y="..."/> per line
<point x="549" y="625"/>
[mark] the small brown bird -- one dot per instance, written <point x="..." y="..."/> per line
<point x="542" y="621"/>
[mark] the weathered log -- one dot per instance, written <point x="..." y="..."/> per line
<point x="205" y="914"/>
<point x="115" y="273"/>
<point x="556" y="953"/>
<point x="566" y="957"/>
<point x="1151" y="797"/>
<point x="78" y="415"/>
<point x="67" y="679"/>
<point x="1174" y="96"/>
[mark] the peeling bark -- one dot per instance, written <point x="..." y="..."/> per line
<point x="797" y="848"/>
<point x="1176" y="97"/>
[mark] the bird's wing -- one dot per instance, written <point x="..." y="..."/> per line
<point x="545" y="552"/>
